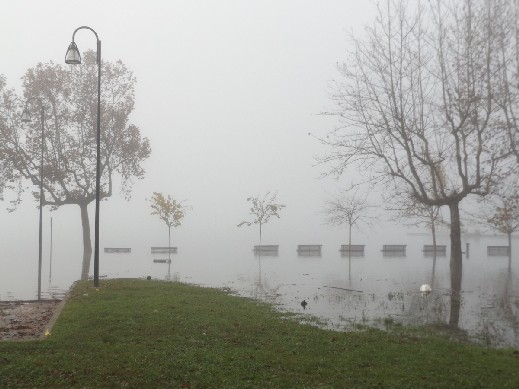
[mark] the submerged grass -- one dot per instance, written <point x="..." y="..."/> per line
<point x="151" y="334"/>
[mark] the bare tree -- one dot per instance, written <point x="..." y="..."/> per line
<point x="346" y="209"/>
<point x="262" y="209"/>
<point x="415" y="106"/>
<point x="506" y="90"/>
<point x="500" y="211"/>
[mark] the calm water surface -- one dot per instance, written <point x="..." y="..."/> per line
<point x="373" y="289"/>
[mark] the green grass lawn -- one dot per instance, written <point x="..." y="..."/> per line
<point x="151" y="334"/>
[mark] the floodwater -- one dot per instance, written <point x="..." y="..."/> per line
<point x="376" y="289"/>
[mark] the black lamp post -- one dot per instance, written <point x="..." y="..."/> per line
<point x="26" y="117"/>
<point x="74" y="58"/>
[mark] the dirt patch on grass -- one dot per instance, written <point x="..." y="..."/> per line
<point x="27" y="319"/>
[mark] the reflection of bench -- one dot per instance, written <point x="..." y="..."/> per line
<point x="497" y="251"/>
<point x="268" y="249"/>
<point x="162" y="260"/>
<point x="162" y="250"/>
<point x="118" y="250"/>
<point x="309" y="249"/>
<point x="428" y="250"/>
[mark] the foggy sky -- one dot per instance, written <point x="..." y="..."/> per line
<point x="227" y="93"/>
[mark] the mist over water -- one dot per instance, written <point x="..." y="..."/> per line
<point x="374" y="289"/>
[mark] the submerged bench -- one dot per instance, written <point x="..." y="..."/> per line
<point x="497" y="251"/>
<point x="268" y="249"/>
<point x="118" y="250"/>
<point x="355" y="250"/>
<point x="309" y="249"/>
<point x="162" y="250"/>
<point x="428" y="249"/>
<point x="393" y="250"/>
<point x="394" y="247"/>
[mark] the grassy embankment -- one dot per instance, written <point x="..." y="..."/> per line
<point x="149" y="334"/>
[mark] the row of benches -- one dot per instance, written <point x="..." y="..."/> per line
<point x="387" y="250"/>
<point x="354" y="248"/>
<point x="315" y="249"/>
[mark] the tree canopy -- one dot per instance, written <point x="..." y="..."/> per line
<point x="169" y="210"/>
<point x="262" y="209"/>
<point x="69" y="96"/>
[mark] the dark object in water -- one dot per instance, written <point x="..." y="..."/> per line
<point x="304" y="304"/>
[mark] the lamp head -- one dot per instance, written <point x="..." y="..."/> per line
<point x="73" y="57"/>
<point x="26" y="117"/>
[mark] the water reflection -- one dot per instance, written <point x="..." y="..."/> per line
<point x="343" y="290"/>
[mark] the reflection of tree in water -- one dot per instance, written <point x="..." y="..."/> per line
<point x="499" y="321"/>
<point x="427" y="309"/>
<point x="169" y="277"/>
<point x="454" y="317"/>
<point x="436" y="308"/>
<point x="261" y="289"/>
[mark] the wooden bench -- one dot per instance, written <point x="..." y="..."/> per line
<point x="163" y="250"/>
<point x="269" y="249"/>
<point x="394" y="250"/>
<point x="355" y="250"/>
<point x="309" y="250"/>
<point x="428" y="250"/>
<point x="118" y="250"/>
<point x="498" y="251"/>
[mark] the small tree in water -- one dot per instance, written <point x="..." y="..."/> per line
<point x="505" y="218"/>
<point x="413" y="213"/>
<point x="344" y="209"/>
<point x="262" y="209"/>
<point x="170" y="211"/>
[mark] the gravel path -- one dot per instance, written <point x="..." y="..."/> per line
<point x="26" y="319"/>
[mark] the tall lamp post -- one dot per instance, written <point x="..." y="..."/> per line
<point x="73" y="57"/>
<point x="26" y="117"/>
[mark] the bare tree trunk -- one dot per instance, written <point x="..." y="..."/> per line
<point x="455" y="264"/>
<point x="169" y="244"/>
<point x="349" y="253"/>
<point x="349" y="244"/>
<point x="456" y="257"/>
<point x="87" y="243"/>
<point x="169" y="252"/>
<point x="509" y="251"/>
<point x="433" y="231"/>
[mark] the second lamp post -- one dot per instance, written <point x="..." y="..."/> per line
<point x="26" y="117"/>
<point x="73" y="57"/>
